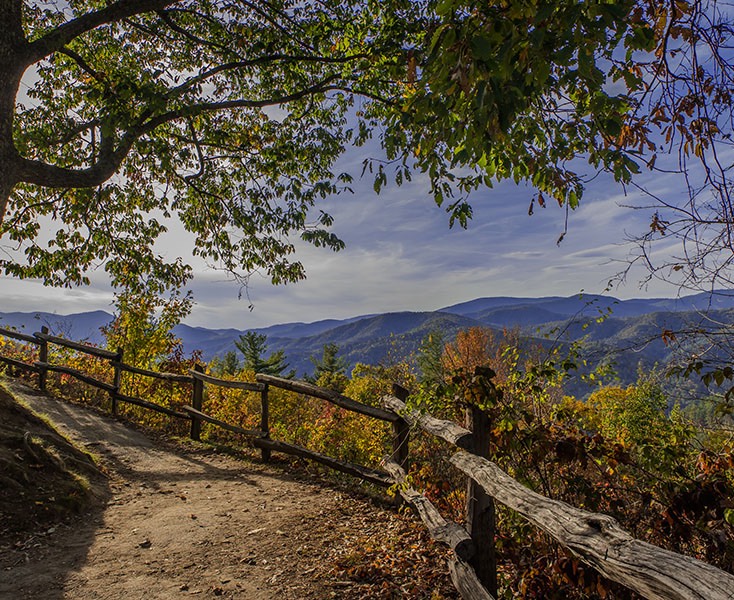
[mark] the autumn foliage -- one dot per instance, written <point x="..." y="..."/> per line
<point x="628" y="452"/>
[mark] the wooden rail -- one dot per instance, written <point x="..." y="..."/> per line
<point x="596" y="539"/>
<point x="473" y="574"/>
<point x="151" y="406"/>
<point x="453" y="535"/>
<point x="302" y="387"/>
<point x="19" y="364"/>
<point x="463" y="575"/>
<point x="44" y="366"/>
<point x="368" y="474"/>
<point x="446" y="430"/>
<point x="176" y="377"/>
<point x="233" y="428"/>
<point x="80" y="347"/>
<point x="227" y="383"/>
<point x="599" y="541"/>
<point x="372" y="475"/>
<point x="23" y="337"/>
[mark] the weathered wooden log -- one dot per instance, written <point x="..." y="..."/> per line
<point x="456" y="537"/>
<point x="77" y="375"/>
<point x="480" y="514"/>
<point x="197" y="400"/>
<point x="599" y="541"/>
<point x="372" y="475"/>
<point x="150" y="406"/>
<point x="450" y="533"/>
<point x="226" y="383"/>
<point x="466" y="581"/>
<point x="177" y="377"/>
<point x="446" y="430"/>
<point x="401" y="432"/>
<point x="265" y="421"/>
<point x="19" y="364"/>
<point x="224" y="425"/>
<point x="86" y="348"/>
<point x="309" y="389"/>
<point x="43" y="359"/>
<point x="23" y="337"/>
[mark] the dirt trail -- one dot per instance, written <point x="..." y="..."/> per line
<point x="197" y="523"/>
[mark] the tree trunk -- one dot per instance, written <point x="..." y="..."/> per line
<point x="13" y="46"/>
<point x="6" y="187"/>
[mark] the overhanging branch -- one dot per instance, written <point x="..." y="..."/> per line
<point x="204" y="107"/>
<point x="111" y="157"/>
<point x="57" y="38"/>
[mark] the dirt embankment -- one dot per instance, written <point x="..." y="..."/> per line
<point x="164" y="522"/>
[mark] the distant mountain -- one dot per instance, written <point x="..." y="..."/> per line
<point x="485" y="309"/>
<point x="629" y="335"/>
<point x="300" y="330"/>
<point x="372" y="339"/>
<point x="80" y="326"/>
<point x="636" y="344"/>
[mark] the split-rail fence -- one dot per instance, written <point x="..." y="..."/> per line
<point x="596" y="539"/>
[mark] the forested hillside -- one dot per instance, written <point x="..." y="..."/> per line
<point x="625" y="334"/>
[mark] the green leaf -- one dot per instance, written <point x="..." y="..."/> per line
<point x="482" y="47"/>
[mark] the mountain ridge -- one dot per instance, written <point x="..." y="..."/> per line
<point x="376" y="337"/>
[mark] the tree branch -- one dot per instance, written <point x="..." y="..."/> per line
<point x="57" y="38"/>
<point x="197" y="109"/>
<point x="83" y="64"/>
<point x="166" y="18"/>
<point x="268" y="58"/>
<point x="111" y="157"/>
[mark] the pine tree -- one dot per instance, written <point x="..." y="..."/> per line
<point x="253" y="347"/>
<point x="330" y="371"/>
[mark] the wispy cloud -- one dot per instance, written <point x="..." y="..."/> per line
<point x="401" y="255"/>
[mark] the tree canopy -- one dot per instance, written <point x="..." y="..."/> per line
<point x="541" y="90"/>
<point x="114" y="116"/>
<point x="231" y="114"/>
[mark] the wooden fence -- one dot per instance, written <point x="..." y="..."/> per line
<point x="596" y="539"/>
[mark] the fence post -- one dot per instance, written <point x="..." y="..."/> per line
<point x="117" y="366"/>
<point x="197" y="401"/>
<point x="265" y="420"/>
<point x="43" y="358"/>
<point x="400" y="431"/>
<point x="480" y="514"/>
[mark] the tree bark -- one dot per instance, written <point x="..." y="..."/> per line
<point x="13" y="46"/>
<point x="7" y="183"/>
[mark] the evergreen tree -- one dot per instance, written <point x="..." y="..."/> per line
<point x="228" y="365"/>
<point x="253" y="347"/>
<point x="330" y="371"/>
<point x="430" y="359"/>
<point x="329" y="362"/>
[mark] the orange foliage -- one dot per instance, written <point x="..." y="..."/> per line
<point x="472" y="348"/>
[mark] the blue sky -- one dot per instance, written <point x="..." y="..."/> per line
<point x="401" y="255"/>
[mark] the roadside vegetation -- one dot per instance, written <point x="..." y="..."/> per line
<point x="665" y="473"/>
